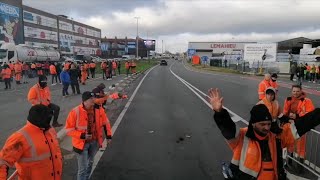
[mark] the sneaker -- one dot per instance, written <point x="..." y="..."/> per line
<point x="53" y="84"/>
<point x="57" y="125"/>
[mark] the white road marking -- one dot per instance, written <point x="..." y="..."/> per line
<point x="235" y="117"/>
<point x="118" y="121"/>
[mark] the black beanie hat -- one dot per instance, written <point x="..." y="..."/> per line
<point x="40" y="116"/>
<point x="260" y="113"/>
<point x="87" y="95"/>
<point x="42" y="78"/>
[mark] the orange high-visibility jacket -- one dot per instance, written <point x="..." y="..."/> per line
<point x="262" y="88"/>
<point x="35" y="153"/>
<point x="53" y="70"/>
<point x="37" y="95"/>
<point x="273" y="107"/>
<point x="305" y="105"/>
<point x="18" y="68"/>
<point x="6" y="73"/>
<point x="247" y="152"/>
<point x="77" y="122"/>
<point x="92" y="65"/>
<point x="11" y="66"/>
<point x="127" y="65"/>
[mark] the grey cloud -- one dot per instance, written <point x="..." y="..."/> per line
<point x="85" y="8"/>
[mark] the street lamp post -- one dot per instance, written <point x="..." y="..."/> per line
<point x="137" y="40"/>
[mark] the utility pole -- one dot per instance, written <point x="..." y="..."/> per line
<point x="137" y="40"/>
<point x="162" y="47"/>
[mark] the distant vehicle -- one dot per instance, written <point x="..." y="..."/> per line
<point x="128" y="57"/>
<point x="163" y="63"/>
<point x="11" y="52"/>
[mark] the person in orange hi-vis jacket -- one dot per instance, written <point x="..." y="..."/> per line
<point x="39" y="68"/>
<point x="104" y="69"/>
<point x="53" y="72"/>
<point x="257" y="151"/>
<point x="84" y="73"/>
<point x="295" y="106"/>
<point x="6" y="76"/>
<point x="101" y="97"/>
<point x="127" y="67"/>
<point x="114" y="67"/>
<point x="40" y="94"/>
<point x="264" y="84"/>
<point x="85" y="124"/>
<point x="18" y="72"/>
<point x="34" y="149"/>
<point x="133" y="66"/>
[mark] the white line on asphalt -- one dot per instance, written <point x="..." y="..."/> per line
<point x="235" y="117"/>
<point x="118" y="121"/>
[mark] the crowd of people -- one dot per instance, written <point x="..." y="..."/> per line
<point x="67" y="73"/>
<point x="305" y="72"/>
<point x="34" y="149"/>
<point x="257" y="149"/>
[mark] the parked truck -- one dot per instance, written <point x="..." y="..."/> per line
<point x="11" y="52"/>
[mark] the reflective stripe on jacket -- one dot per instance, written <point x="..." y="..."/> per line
<point x="37" y="95"/>
<point x="35" y="153"/>
<point x="247" y="152"/>
<point x="77" y="124"/>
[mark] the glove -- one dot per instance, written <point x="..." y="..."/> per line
<point x="284" y="119"/>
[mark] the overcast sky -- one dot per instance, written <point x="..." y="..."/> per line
<point x="177" y="22"/>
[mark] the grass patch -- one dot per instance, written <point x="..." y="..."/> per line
<point x="141" y="66"/>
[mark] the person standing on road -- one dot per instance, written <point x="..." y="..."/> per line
<point x="293" y="70"/>
<point x="295" y="106"/>
<point x="109" y="70"/>
<point x="273" y="82"/>
<point x="257" y="152"/>
<point x="74" y="77"/>
<point x="313" y="73"/>
<point x="53" y="73"/>
<point x="114" y="67"/>
<point x="6" y="76"/>
<point x="118" y="66"/>
<point x="93" y="69"/>
<point x="25" y="72"/>
<point x="264" y="84"/>
<point x="133" y="66"/>
<point x="58" y="69"/>
<point x="84" y="124"/>
<point x="65" y="78"/>
<point x="104" y="69"/>
<point x="18" y="72"/>
<point x="34" y="149"/>
<point x="40" y="94"/>
<point x="84" y="73"/>
<point x="127" y="66"/>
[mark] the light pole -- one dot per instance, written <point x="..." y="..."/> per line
<point x="137" y="41"/>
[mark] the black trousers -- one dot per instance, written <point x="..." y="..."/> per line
<point x="109" y="73"/>
<point x="291" y="76"/>
<point x="54" y="76"/>
<point x="65" y="89"/>
<point x="128" y="70"/>
<point x="74" y="87"/>
<point x="56" y="110"/>
<point x="119" y="70"/>
<point x="7" y="82"/>
<point x="104" y="73"/>
<point x="93" y="72"/>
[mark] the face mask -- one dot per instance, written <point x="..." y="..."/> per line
<point x="273" y="80"/>
<point x="43" y="84"/>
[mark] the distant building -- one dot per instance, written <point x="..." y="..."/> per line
<point x="117" y="47"/>
<point x="294" y="45"/>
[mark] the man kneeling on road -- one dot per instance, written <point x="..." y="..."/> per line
<point x="101" y="97"/>
<point x="257" y="152"/>
<point x="34" y="149"/>
<point x="40" y="94"/>
<point x="84" y="124"/>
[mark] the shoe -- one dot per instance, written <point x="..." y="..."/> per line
<point x="53" y="84"/>
<point x="57" y="125"/>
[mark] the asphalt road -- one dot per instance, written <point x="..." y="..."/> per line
<point x="167" y="133"/>
<point x="146" y="144"/>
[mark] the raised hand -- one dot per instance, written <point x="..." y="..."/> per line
<point x="215" y="99"/>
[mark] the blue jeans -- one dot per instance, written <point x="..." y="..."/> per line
<point x="85" y="160"/>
